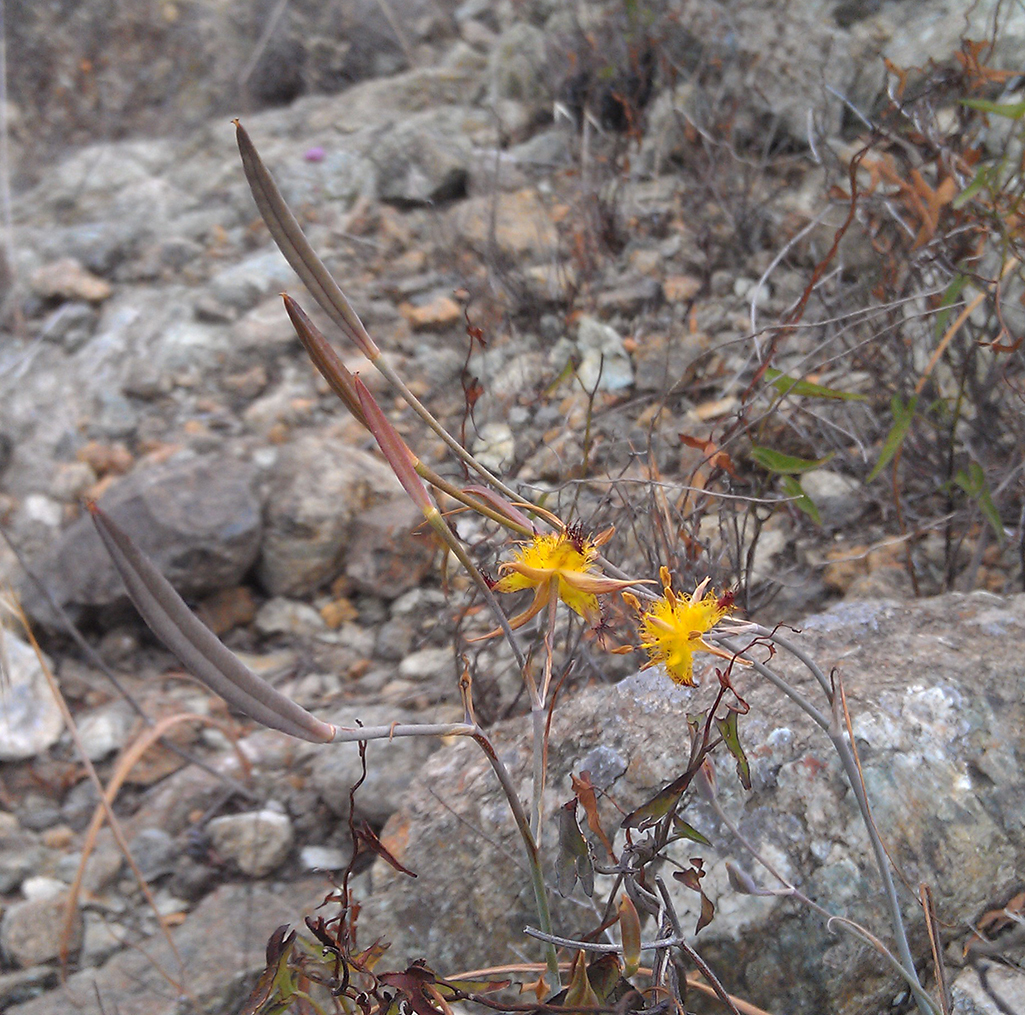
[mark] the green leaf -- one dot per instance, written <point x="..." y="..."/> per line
<point x="1011" y="110"/>
<point x="688" y="831"/>
<point x="660" y="804"/>
<point x="973" y="482"/>
<point x="950" y="296"/>
<point x="449" y="987"/>
<point x="731" y="738"/>
<point x="793" y="489"/>
<point x="776" y="461"/>
<point x="981" y="179"/>
<point x="787" y="385"/>
<point x="574" y="861"/>
<point x="902" y="416"/>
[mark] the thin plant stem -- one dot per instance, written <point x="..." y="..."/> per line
<point x="699" y="962"/>
<point x="833" y="729"/>
<point x="539" y="715"/>
<point x="475" y="733"/>
<point x="537" y="879"/>
<point x="777" y="681"/>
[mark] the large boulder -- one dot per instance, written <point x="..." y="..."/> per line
<point x="935" y="694"/>
<point x="317" y="488"/>
<point x="197" y="518"/>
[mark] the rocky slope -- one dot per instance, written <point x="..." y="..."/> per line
<point x="147" y="362"/>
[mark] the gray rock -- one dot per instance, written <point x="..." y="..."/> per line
<point x="258" y="841"/>
<point x="198" y="519"/>
<point x="323" y="858"/>
<point x="428" y="664"/>
<point x="421" y="160"/>
<point x="241" y="286"/>
<point x="519" y="65"/>
<point x="387" y="557"/>
<point x="969" y="997"/>
<point x="154" y="851"/>
<point x="934" y="692"/>
<point x="394" y="639"/>
<point x="30" y="718"/>
<point x="101" y="869"/>
<point x="100" y="938"/>
<point x="495" y="446"/>
<point x="390" y="764"/>
<point x="19" y="857"/>
<point x="839" y="498"/>
<point x="221" y="944"/>
<point x="27" y="935"/>
<point x="105" y="729"/>
<point x="603" y="360"/>
<point x="71" y="324"/>
<point x="287" y="616"/>
<point x="316" y="491"/>
<point x="25" y="983"/>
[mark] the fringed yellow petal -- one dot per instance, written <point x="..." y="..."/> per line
<point x="568" y="557"/>
<point x="672" y="628"/>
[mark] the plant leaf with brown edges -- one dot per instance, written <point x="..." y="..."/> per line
<point x="731" y="738"/>
<point x="275" y="990"/>
<point x="584" y="789"/>
<point x="659" y="805"/>
<point x="368" y="837"/>
<point x="573" y="862"/>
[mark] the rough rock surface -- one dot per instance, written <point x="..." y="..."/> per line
<point x="198" y="520"/>
<point x="336" y="768"/>
<point x="316" y="490"/>
<point x="258" y="841"/>
<point x="31" y="720"/>
<point x="222" y="947"/>
<point x="27" y="935"/>
<point x="483" y="182"/>
<point x="935" y="693"/>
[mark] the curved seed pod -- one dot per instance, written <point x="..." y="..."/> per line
<point x="292" y="242"/>
<point x="324" y="358"/>
<point x="198" y="649"/>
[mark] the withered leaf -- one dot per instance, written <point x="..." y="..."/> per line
<point x="368" y="837"/>
<point x="691" y="877"/>
<point x="573" y="862"/>
<point x="584" y="789"/>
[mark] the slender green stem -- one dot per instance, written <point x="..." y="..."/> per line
<point x="778" y="682"/>
<point x="537" y="879"/>
<point x="539" y="716"/>
<point x="453" y="445"/>
<point x="833" y="728"/>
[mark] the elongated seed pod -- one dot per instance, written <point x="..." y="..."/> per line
<point x="197" y="648"/>
<point x="292" y="242"/>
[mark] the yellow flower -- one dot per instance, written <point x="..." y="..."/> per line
<point x="562" y="564"/>
<point x="672" y="627"/>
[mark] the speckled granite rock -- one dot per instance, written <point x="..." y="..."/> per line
<point x="936" y="694"/>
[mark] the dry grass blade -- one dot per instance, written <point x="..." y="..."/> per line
<point x="197" y="647"/>
<point x="292" y="242"/>
<point x="125" y="764"/>
<point x="104" y="809"/>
